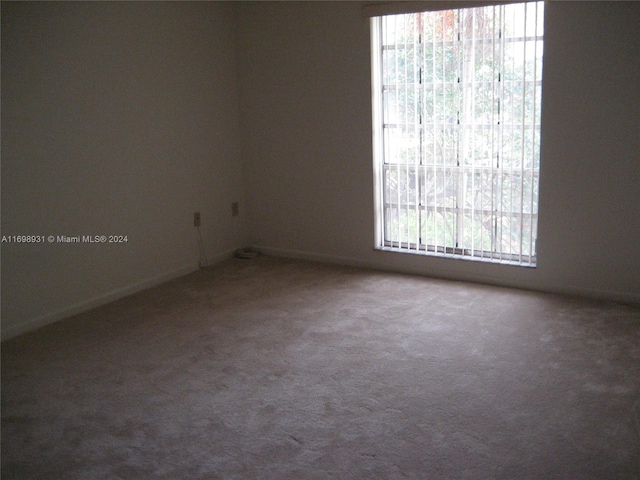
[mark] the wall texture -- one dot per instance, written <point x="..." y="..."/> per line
<point x="117" y="118"/>
<point x="306" y="131"/>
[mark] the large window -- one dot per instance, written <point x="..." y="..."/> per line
<point x="457" y="131"/>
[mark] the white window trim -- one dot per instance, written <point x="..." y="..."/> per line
<point x="374" y="12"/>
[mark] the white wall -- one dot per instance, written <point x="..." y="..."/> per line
<point x="117" y="118"/>
<point x="304" y="72"/>
<point x="306" y="132"/>
<point x="125" y="118"/>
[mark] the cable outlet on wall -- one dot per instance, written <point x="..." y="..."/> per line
<point x="196" y="219"/>
<point x="235" y="209"/>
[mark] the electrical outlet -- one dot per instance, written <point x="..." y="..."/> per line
<point x="235" y="209"/>
<point x="196" y="219"/>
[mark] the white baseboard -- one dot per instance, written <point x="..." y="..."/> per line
<point x="46" y="319"/>
<point x="318" y="257"/>
<point x="218" y="258"/>
<point x="32" y="324"/>
<point x="455" y="276"/>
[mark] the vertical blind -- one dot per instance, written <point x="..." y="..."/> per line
<point x="457" y="116"/>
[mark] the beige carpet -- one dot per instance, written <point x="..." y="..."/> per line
<point x="280" y="369"/>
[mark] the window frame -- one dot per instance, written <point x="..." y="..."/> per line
<point x="450" y="251"/>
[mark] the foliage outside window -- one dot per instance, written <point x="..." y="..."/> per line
<point x="457" y="97"/>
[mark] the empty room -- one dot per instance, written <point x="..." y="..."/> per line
<point x="309" y="240"/>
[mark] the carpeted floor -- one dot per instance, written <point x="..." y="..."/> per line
<point x="281" y="369"/>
